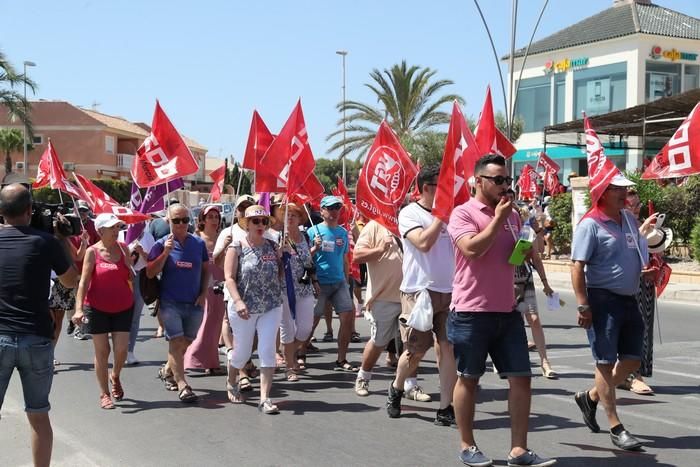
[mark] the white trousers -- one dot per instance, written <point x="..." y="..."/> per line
<point x="299" y="328"/>
<point x="266" y="325"/>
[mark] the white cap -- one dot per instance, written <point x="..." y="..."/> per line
<point x="106" y="220"/>
<point x="621" y="180"/>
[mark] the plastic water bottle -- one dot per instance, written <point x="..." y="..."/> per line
<point x="526" y="233"/>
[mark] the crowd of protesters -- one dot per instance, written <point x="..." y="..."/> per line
<point x="265" y="282"/>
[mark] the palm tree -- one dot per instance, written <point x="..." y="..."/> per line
<point x="10" y="96"/>
<point x="408" y="99"/>
<point x="11" y="140"/>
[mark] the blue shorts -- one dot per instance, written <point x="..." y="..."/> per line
<point x="474" y="335"/>
<point x="339" y="296"/>
<point x="617" y="331"/>
<point x="33" y="357"/>
<point x="180" y="319"/>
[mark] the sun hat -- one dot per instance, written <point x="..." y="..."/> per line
<point x="244" y="199"/>
<point x="330" y="201"/>
<point x="621" y="180"/>
<point x="659" y="239"/>
<point x="106" y="220"/>
<point x="254" y="211"/>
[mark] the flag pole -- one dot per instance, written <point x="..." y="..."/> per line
<point x="77" y="213"/>
<point x="167" y="207"/>
<point x="240" y="179"/>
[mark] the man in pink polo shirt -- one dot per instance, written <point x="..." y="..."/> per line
<point x="484" y="320"/>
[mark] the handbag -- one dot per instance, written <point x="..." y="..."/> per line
<point x="149" y="287"/>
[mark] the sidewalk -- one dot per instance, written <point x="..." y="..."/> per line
<point x="681" y="288"/>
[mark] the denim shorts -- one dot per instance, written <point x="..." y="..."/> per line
<point x="617" y="331"/>
<point x="338" y="294"/>
<point x="474" y="335"/>
<point x="180" y="319"/>
<point x="33" y="357"/>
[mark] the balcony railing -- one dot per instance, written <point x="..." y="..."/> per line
<point x="124" y="161"/>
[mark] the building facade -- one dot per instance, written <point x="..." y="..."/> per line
<point x="630" y="54"/>
<point x="91" y="143"/>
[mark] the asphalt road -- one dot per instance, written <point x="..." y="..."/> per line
<point x="323" y="423"/>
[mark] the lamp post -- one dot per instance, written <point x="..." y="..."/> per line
<point x="24" y="133"/>
<point x="343" y="53"/>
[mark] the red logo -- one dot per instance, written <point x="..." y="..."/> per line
<point x="183" y="264"/>
<point x="385" y="175"/>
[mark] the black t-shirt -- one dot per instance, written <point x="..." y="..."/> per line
<point x="27" y="257"/>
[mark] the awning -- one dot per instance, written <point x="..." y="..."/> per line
<point x="562" y="152"/>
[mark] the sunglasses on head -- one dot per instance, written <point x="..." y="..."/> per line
<point x="334" y="207"/>
<point x="180" y="220"/>
<point x="258" y="221"/>
<point x="499" y="179"/>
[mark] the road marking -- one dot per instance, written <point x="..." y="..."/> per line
<point x="677" y="373"/>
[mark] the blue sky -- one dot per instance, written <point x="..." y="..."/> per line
<point x="212" y="62"/>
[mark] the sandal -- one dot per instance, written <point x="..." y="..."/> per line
<point x="301" y="362"/>
<point x="311" y="348"/>
<point x="547" y="371"/>
<point x="280" y="362"/>
<point x="328" y="337"/>
<point x="168" y="379"/>
<point x="234" y="394"/>
<point x="215" y="372"/>
<point x="117" y="390"/>
<point x="355" y="337"/>
<point x="638" y="386"/>
<point x="251" y="369"/>
<point x="106" y="401"/>
<point x="292" y="376"/>
<point x="244" y="384"/>
<point x="267" y="407"/>
<point x="186" y="395"/>
<point x="344" y="366"/>
<point x="626" y="384"/>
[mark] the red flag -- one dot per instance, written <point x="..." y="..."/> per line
<point x="100" y="202"/>
<point x="550" y="175"/>
<point x="528" y="182"/>
<point x="311" y="190"/>
<point x="663" y="274"/>
<point x="385" y="179"/>
<point x="217" y="188"/>
<point x="547" y="163"/>
<point x="460" y="153"/>
<point x="50" y="172"/>
<point x="415" y="193"/>
<point x="347" y="214"/>
<point x="259" y="140"/>
<point x="163" y="156"/>
<point x="289" y="157"/>
<point x="489" y="138"/>
<point x="680" y="157"/>
<point x="601" y="170"/>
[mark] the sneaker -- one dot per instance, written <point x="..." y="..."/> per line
<point x="393" y="402"/>
<point x="267" y="407"/>
<point x="530" y="459"/>
<point x="625" y="440"/>
<point x="362" y="387"/>
<point x="70" y="328"/>
<point x="328" y="337"/>
<point x="588" y="408"/>
<point x="131" y="359"/>
<point x="445" y="417"/>
<point x="78" y="334"/>
<point x="416" y="393"/>
<point x="355" y="337"/>
<point x="473" y="457"/>
<point x="222" y="350"/>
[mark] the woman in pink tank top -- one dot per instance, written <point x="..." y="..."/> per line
<point x="104" y="304"/>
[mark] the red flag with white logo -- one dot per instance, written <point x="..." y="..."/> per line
<point x="528" y="182"/>
<point x="550" y="175"/>
<point x="460" y="153"/>
<point x="489" y="138"/>
<point x="218" y="177"/>
<point x="601" y="170"/>
<point x="311" y="190"/>
<point x="347" y="214"/>
<point x="50" y="172"/>
<point x="680" y="157"/>
<point x="100" y="202"/>
<point x="385" y="179"/>
<point x="289" y="157"/>
<point x="163" y="156"/>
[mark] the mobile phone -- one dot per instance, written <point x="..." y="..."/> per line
<point x="517" y="258"/>
<point x="660" y="220"/>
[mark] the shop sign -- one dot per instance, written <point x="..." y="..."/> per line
<point x="565" y="65"/>
<point x="657" y="52"/>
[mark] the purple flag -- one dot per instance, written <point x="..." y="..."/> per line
<point x="152" y="202"/>
<point x="264" y="200"/>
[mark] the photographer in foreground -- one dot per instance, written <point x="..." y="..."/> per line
<point x="27" y="257"/>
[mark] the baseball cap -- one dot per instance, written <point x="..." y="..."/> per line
<point x="82" y="205"/>
<point x="244" y="199"/>
<point x="621" y="180"/>
<point x="330" y="201"/>
<point x="106" y="220"/>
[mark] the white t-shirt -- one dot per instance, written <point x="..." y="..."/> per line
<point x="237" y="234"/>
<point x="433" y="270"/>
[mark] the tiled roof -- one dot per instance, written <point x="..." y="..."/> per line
<point x="117" y="123"/>
<point x="619" y="21"/>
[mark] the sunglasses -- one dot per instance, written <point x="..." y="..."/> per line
<point x="334" y="207"/>
<point x="180" y="220"/>
<point x="258" y="221"/>
<point x="499" y="179"/>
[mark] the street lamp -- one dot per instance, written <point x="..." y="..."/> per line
<point x="343" y="53"/>
<point x="24" y="136"/>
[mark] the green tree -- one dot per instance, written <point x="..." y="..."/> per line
<point x="409" y="99"/>
<point x="11" y="82"/>
<point x="426" y="148"/>
<point x="560" y="209"/>
<point x="11" y="140"/>
<point x="328" y="170"/>
<point x="246" y="182"/>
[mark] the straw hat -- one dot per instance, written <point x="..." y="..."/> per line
<point x="255" y="211"/>
<point x="659" y="239"/>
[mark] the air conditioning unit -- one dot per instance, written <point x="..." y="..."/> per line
<point x="19" y="165"/>
<point x="69" y="166"/>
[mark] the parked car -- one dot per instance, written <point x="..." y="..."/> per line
<point x="226" y="210"/>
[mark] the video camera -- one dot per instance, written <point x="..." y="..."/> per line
<point x="44" y="216"/>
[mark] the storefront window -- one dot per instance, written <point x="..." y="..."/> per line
<point x="691" y="77"/>
<point x="560" y="98"/>
<point x="601" y="89"/>
<point x="662" y="80"/>
<point x="533" y="103"/>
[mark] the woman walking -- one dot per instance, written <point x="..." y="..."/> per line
<point x="104" y="304"/>
<point x="253" y="278"/>
<point x="204" y="351"/>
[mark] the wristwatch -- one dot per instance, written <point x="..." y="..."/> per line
<point x="583" y="308"/>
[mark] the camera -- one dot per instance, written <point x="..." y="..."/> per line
<point x="309" y="271"/>
<point x="218" y="288"/>
<point x="44" y="215"/>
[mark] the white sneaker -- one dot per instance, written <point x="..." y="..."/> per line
<point x="131" y="359"/>
<point x="416" y="393"/>
<point x="362" y="387"/>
